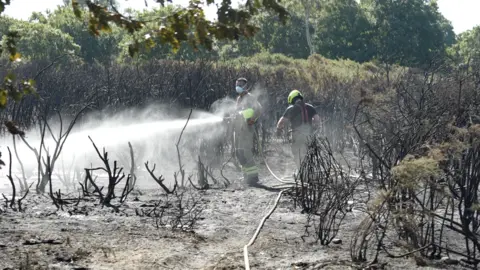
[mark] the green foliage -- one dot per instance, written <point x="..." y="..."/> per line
<point x="343" y="31"/>
<point x="414" y="172"/>
<point x="317" y="72"/>
<point x="110" y="4"/>
<point x="11" y="87"/>
<point x="460" y="140"/>
<point x="288" y="39"/>
<point x="409" y="33"/>
<point x="5" y="23"/>
<point x="15" y="89"/>
<point x="8" y="87"/>
<point x="467" y="49"/>
<point x="39" y="41"/>
<point x="10" y="38"/>
<point x="150" y="50"/>
<point x="9" y="43"/>
<point x="241" y="47"/>
<point x="100" y="48"/>
<point x="3" y="3"/>
<point x="185" y="24"/>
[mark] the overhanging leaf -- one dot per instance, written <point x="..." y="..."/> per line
<point x="3" y="4"/>
<point x="10" y="78"/>
<point x="15" y="57"/>
<point x="76" y="9"/>
<point x="133" y="48"/>
<point x="3" y="98"/>
<point x="16" y="95"/>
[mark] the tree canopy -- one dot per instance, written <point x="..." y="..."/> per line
<point x="409" y="33"/>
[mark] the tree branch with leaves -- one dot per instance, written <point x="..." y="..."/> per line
<point x="186" y="24"/>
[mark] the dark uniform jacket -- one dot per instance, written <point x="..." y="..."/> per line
<point x="298" y="114"/>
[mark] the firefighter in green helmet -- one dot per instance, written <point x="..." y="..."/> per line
<point x="303" y="118"/>
<point x="249" y="110"/>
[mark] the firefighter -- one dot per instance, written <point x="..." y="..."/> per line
<point x="303" y="119"/>
<point x="248" y="111"/>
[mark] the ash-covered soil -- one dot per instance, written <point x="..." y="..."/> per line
<point x="92" y="237"/>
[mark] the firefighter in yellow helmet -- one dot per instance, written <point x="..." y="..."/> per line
<point x="249" y="110"/>
<point x="302" y="117"/>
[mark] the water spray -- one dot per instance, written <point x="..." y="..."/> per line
<point x="155" y="137"/>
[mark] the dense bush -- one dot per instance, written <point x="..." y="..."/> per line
<point x="334" y="86"/>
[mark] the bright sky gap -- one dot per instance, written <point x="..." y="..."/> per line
<point x="462" y="13"/>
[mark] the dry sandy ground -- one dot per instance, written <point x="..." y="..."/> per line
<point x="106" y="240"/>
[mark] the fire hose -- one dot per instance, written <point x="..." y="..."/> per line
<point x="260" y="226"/>
<point x="262" y="222"/>
<point x="285" y="184"/>
<point x="282" y="181"/>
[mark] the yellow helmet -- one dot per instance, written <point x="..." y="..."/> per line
<point x="295" y="93"/>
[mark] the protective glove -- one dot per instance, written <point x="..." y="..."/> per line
<point x="278" y="132"/>
<point x="250" y="121"/>
<point x="248" y="115"/>
<point x="226" y="119"/>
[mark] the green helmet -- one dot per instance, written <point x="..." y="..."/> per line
<point x="295" y="93"/>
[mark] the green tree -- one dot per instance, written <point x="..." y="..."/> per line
<point x="274" y="37"/>
<point x="186" y="24"/>
<point x="110" y="4"/>
<point x="309" y="12"/>
<point x="238" y="48"/>
<point x="467" y="48"/>
<point x="41" y="42"/>
<point x="343" y="31"/>
<point x="102" y="48"/>
<point x="38" y="17"/>
<point x="184" y="52"/>
<point x="231" y="24"/>
<point x="409" y="32"/>
<point x="5" y="23"/>
<point x="289" y="39"/>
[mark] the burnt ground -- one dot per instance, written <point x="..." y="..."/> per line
<point x="92" y="237"/>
